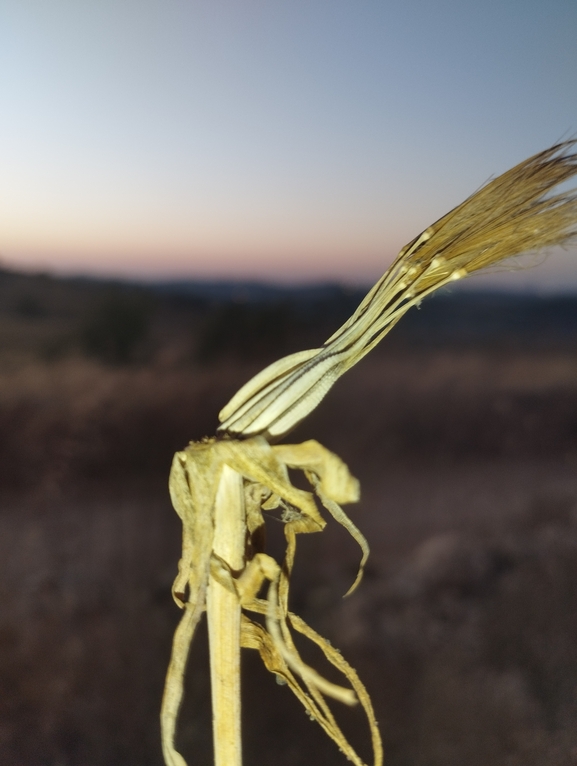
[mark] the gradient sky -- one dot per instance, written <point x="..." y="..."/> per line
<point x="291" y="140"/>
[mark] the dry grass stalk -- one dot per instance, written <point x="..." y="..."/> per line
<point x="223" y="613"/>
<point x="220" y="490"/>
<point x="221" y="487"/>
<point x="513" y="214"/>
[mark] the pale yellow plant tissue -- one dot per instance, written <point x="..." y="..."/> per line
<point x="515" y="213"/>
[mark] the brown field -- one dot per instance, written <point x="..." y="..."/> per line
<point x="464" y="629"/>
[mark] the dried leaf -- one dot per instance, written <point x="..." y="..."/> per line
<point x="193" y="484"/>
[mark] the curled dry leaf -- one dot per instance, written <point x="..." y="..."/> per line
<point x="194" y="480"/>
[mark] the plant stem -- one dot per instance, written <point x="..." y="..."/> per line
<point x="223" y="611"/>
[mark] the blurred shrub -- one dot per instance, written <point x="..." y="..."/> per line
<point x="115" y="331"/>
<point x="246" y="331"/>
<point x="29" y="307"/>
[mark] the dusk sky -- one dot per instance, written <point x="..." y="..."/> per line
<point x="283" y="141"/>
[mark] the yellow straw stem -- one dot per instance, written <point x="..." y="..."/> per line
<point x="223" y="609"/>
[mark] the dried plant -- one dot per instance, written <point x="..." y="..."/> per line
<point x="221" y="486"/>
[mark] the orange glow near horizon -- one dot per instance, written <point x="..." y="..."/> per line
<point x="283" y="142"/>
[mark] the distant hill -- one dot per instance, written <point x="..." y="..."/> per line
<point x="492" y="318"/>
<point x="255" y="292"/>
<point x="43" y="316"/>
<point x="448" y="317"/>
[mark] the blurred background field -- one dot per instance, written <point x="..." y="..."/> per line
<point x="461" y="426"/>
<point x="303" y="141"/>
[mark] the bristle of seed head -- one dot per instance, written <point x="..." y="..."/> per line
<point x="513" y="214"/>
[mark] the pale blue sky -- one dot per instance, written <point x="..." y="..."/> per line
<point x="277" y="140"/>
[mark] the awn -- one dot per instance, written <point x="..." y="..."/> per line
<point x="221" y="486"/>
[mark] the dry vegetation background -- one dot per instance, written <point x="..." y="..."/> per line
<point x="463" y="430"/>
